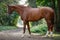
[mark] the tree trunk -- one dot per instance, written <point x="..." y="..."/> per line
<point x="58" y="17"/>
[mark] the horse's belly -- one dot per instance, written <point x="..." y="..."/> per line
<point x="33" y="18"/>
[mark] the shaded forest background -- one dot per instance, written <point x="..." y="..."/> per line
<point x="6" y="20"/>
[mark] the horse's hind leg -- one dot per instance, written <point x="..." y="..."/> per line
<point x="50" y="27"/>
<point x="51" y="30"/>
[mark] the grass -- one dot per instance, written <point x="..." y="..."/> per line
<point x="7" y="28"/>
<point x="56" y="36"/>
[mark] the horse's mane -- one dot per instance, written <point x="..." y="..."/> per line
<point x="23" y="6"/>
<point x="19" y="6"/>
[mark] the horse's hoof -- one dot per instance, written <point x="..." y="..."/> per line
<point x="23" y="35"/>
<point x="29" y="36"/>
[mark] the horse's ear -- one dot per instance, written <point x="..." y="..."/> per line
<point x="8" y="5"/>
<point x="29" y="6"/>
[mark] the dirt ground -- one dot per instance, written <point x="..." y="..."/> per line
<point x="16" y="35"/>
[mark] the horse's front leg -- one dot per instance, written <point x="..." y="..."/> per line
<point x="24" y="28"/>
<point x="28" y="29"/>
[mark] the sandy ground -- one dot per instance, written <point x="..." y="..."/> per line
<point x="16" y="35"/>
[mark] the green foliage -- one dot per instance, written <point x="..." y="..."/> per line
<point x="32" y="3"/>
<point x="7" y="28"/>
<point x="56" y="36"/>
<point x="40" y="28"/>
<point x="40" y="2"/>
<point x="13" y="18"/>
<point x="44" y="3"/>
<point x="4" y="18"/>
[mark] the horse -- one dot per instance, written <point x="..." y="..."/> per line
<point x="29" y="14"/>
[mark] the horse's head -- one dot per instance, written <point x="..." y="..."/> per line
<point x="10" y="9"/>
<point x="17" y="8"/>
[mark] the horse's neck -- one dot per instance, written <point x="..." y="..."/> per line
<point x="20" y="10"/>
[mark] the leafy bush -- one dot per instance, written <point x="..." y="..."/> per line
<point x="13" y="19"/>
<point x="7" y="28"/>
<point x="4" y="18"/>
<point x="40" y="28"/>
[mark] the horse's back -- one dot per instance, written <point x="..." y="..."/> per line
<point x="46" y="9"/>
<point x="32" y="14"/>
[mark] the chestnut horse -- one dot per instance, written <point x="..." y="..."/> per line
<point x="29" y="14"/>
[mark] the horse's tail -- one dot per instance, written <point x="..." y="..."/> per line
<point x="52" y="18"/>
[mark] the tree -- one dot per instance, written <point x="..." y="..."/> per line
<point x="3" y="13"/>
<point x="58" y="17"/>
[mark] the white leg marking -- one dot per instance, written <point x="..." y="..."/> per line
<point x="23" y="35"/>
<point x="46" y="34"/>
<point x="51" y="34"/>
<point x="29" y="35"/>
